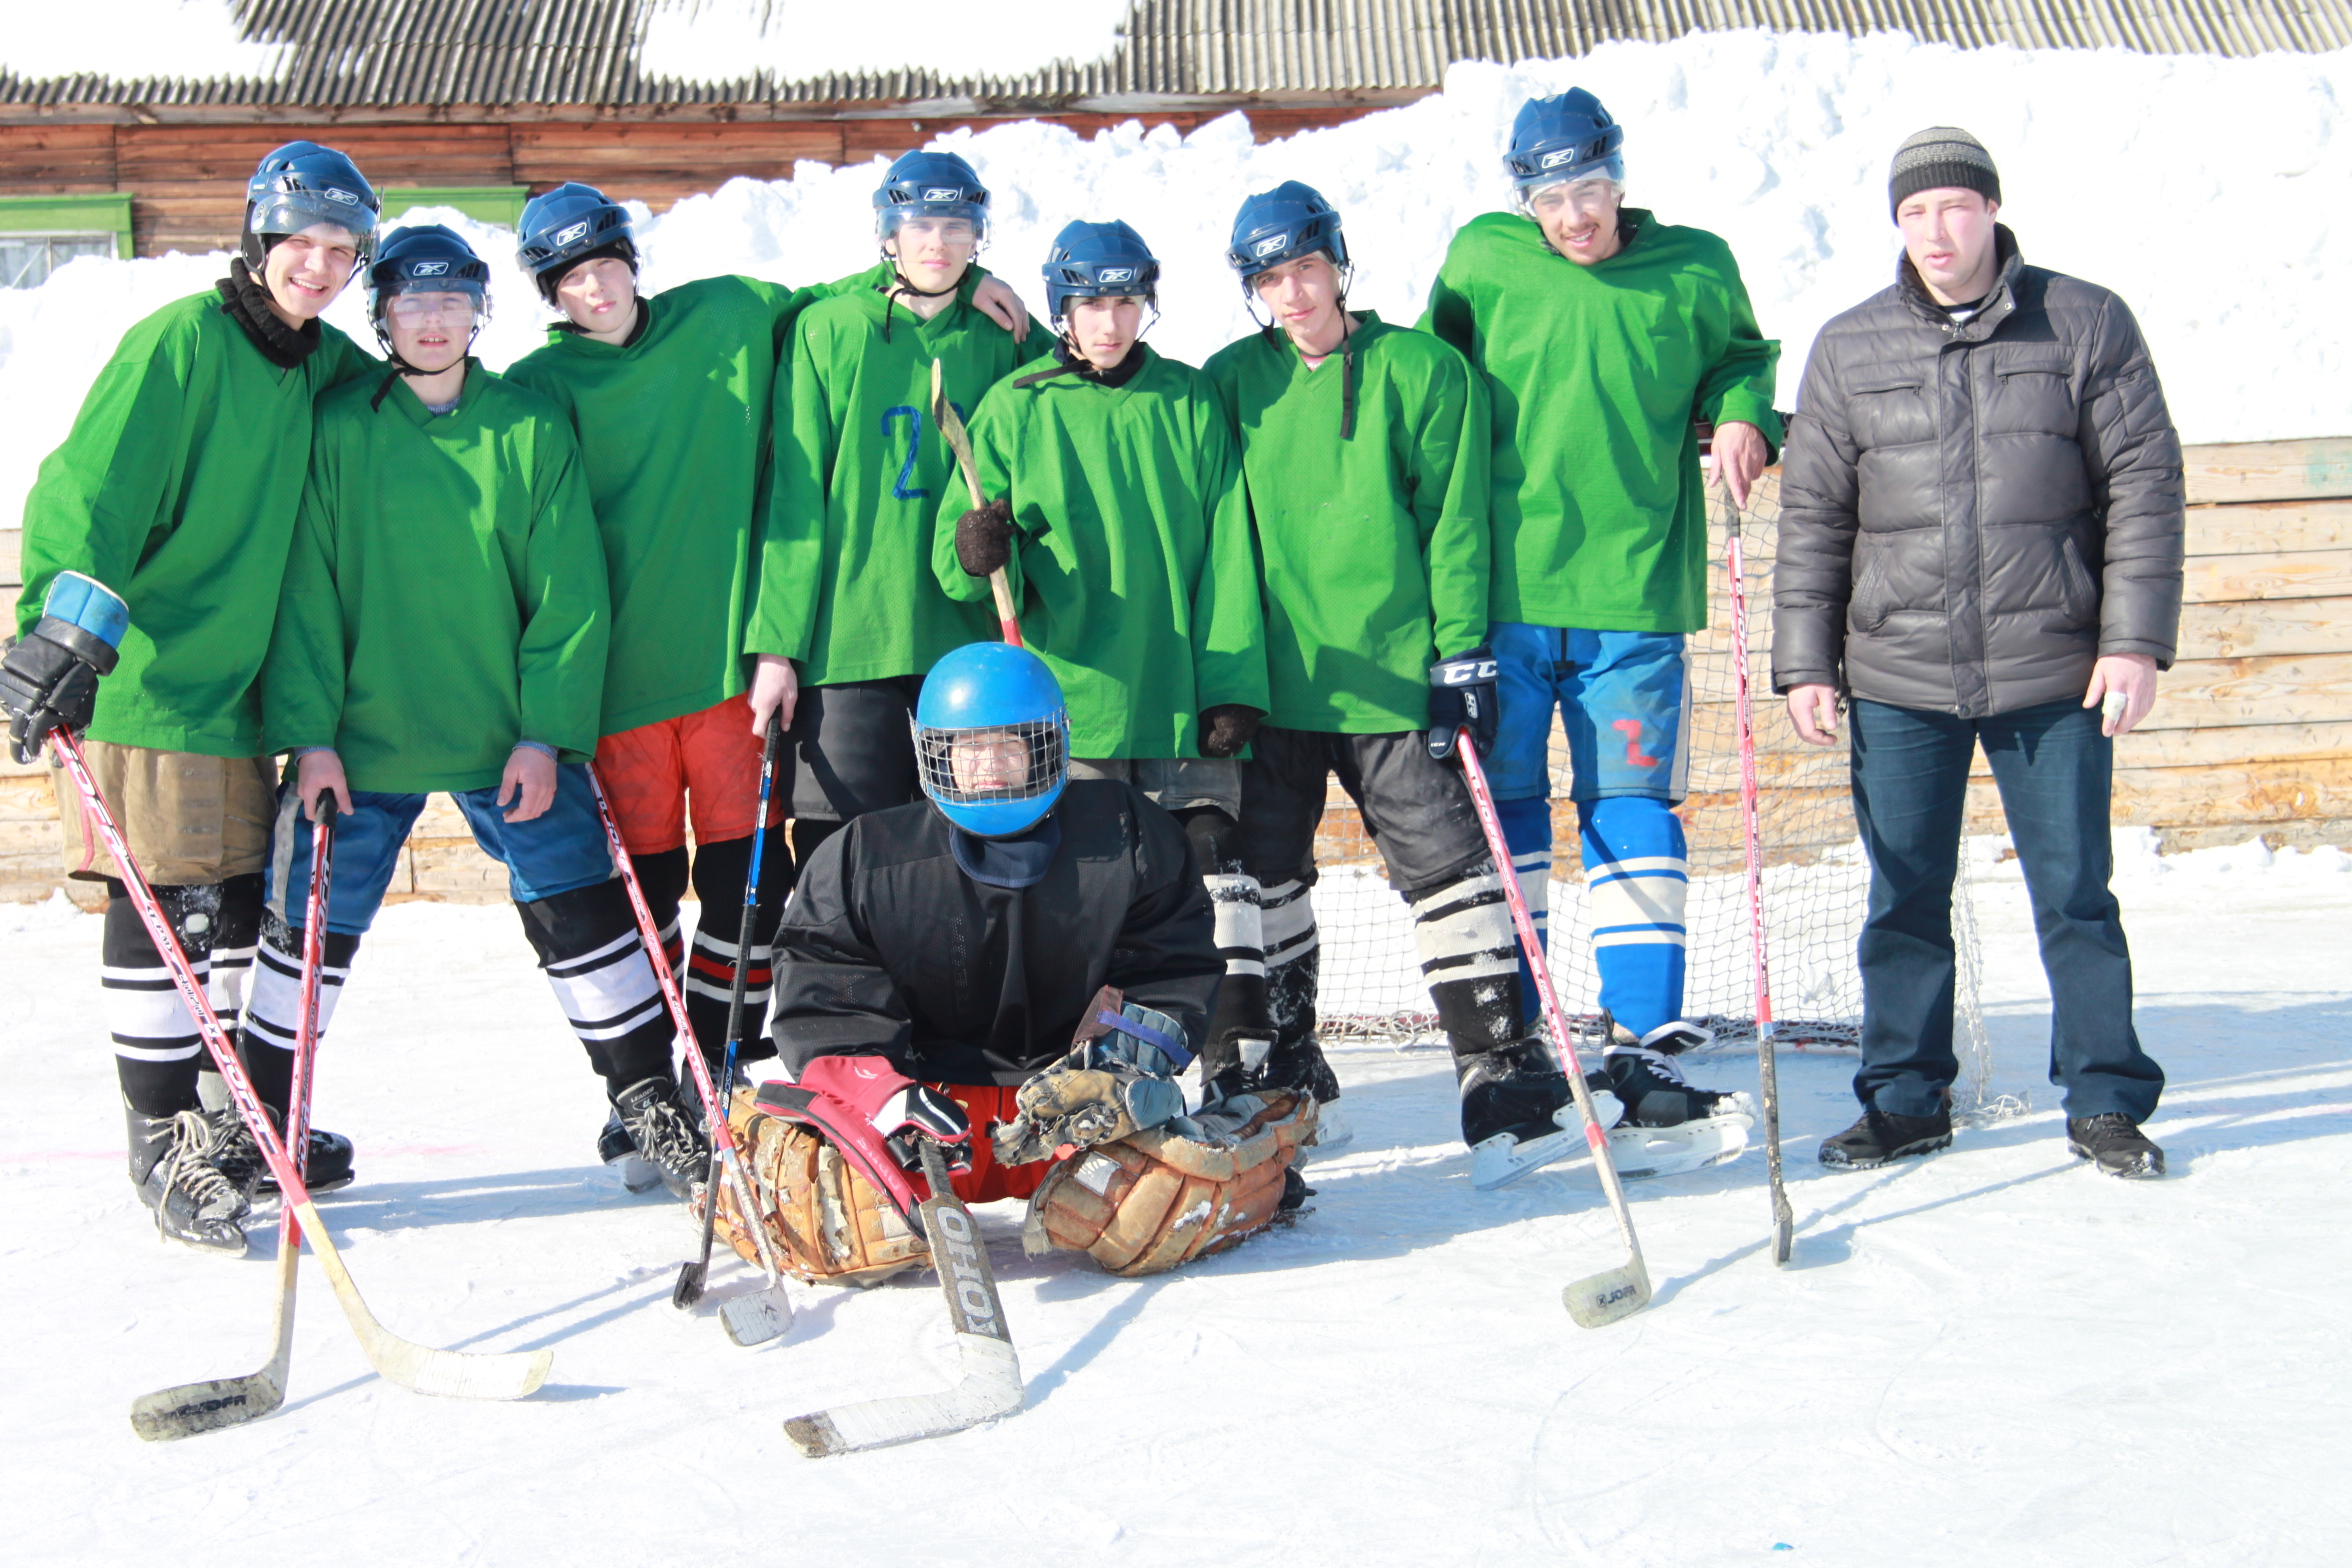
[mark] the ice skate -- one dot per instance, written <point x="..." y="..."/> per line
<point x="619" y="1153"/>
<point x="667" y="1133"/>
<point x="1518" y="1113"/>
<point x="326" y="1168"/>
<point x="1671" y="1125"/>
<point x="175" y="1164"/>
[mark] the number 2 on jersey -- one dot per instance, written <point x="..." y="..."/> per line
<point x="903" y="488"/>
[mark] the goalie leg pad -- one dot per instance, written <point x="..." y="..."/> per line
<point x="828" y="1222"/>
<point x="1146" y="1203"/>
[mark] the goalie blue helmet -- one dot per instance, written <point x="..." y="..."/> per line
<point x="568" y="225"/>
<point x="1095" y="260"/>
<point x="1283" y="224"/>
<point x="992" y="738"/>
<point x="1564" y="138"/>
<point x="300" y="184"/>
<point x="933" y="184"/>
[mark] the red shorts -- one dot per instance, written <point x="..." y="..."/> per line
<point x="987" y="1181"/>
<point x="709" y="761"/>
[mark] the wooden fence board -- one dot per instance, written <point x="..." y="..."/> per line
<point x="2313" y="469"/>
<point x="2286" y="689"/>
<point x="2258" y="627"/>
<point x="2257" y="528"/>
<point x="2285" y="574"/>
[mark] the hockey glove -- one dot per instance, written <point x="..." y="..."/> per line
<point x="868" y="1089"/>
<point x="1119" y="1079"/>
<point x="1462" y="696"/>
<point x="984" y="538"/>
<point x="49" y="680"/>
<point x="1226" y="728"/>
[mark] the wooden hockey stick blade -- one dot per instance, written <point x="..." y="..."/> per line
<point x="1601" y="1299"/>
<point x="991" y="1384"/>
<point x="191" y="1408"/>
<point x="454" y="1374"/>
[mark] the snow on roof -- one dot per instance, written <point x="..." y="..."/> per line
<point x="727" y="40"/>
<point x="131" y="39"/>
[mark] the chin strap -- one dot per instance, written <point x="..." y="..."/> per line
<point x="891" y="291"/>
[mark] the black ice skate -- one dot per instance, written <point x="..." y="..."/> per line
<point x="1880" y="1136"/>
<point x="1518" y="1112"/>
<point x="1671" y="1125"/>
<point x="174" y="1162"/>
<point x="618" y="1150"/>
<point x="2115" y="1144"/>
<point x="327" y="1167"/>
<point x="667" y="1132"/>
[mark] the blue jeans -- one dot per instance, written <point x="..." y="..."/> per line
<point x="1623" y="700"/>
<point x="561" y="849"/>
<point x="2053" y="767"/>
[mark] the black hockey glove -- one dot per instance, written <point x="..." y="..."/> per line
<point x="1462" y="696"/>
<point x="1226" y="728"/>
<point x="49" y="680"/>
<point x="984" y="538"/>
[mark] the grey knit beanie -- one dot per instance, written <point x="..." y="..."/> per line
<point x="1940" y="157"/>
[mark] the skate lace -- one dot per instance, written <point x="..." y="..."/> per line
<point x="190" y="1165"/>
<point x="665" y="1137"/>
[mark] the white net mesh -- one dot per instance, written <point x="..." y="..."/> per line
<point x="1815" y="879"/>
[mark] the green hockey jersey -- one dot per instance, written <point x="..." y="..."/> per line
<point x="177" y="488"/>
<point x="1596" y="374"/>
<point x="1135" y="567"/>
<point x="1375" y="546"/>
<point x="446" y="594"/>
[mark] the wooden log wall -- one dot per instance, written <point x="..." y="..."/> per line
<point x="2252" y="731"/>
<point x="187" y="181"/>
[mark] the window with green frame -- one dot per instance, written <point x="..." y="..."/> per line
<point x="39" y="234"/>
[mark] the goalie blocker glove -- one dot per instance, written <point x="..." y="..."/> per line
<point x="49" y="680"/>
<point x="1462" y="696"/>
<point x="1119" y="1079"/>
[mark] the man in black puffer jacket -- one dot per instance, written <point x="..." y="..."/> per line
<point x="1980" y="540"/>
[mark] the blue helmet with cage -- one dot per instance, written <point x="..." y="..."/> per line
<point x="300" y="184"/>
<point x="1563" y="138"/>
<point x="568" y="225"/>
<point x="1093" y="260"/>
<point x="426" y="258"/>
<point x="984" y="693"/>
<point x="931" y="184"/>
<point x="1283" y="224"/>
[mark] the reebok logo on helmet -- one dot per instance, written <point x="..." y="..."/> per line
<point x="576" y="231"/>
<point x="948" y="193"/>
<point x="429" y="269"/>
<point x="345" y="197"/>
<point x="1115" y="275"/>
<point x="1272" y="243"/>
<point x="1552" y="160"/>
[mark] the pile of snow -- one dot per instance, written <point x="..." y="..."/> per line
<point x="728" y="40"/>
<point x="2204" y="189"/>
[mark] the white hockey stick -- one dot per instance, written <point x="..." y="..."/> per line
<point x="231" y="1401"/>
<point x="991" y="1384"/>
<point x="764" y="1314"/>
<point x="1602" y="1298"/>
<point x="396" y="1360"/>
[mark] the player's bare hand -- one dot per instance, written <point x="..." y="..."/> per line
<point x="1001" y="305"/>
<point x="1813" y="710"/>
<point x="316" y="774"/>
<point x="529" y="781"/>
<point x="775" y="688"/>
<point x="1740" y="452"/>
<point x="2126" y="683"/>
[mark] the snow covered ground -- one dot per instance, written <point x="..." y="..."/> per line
<point x="1991" y="1356"/>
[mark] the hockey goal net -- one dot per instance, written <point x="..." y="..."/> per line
<point x="1814" y="883"/>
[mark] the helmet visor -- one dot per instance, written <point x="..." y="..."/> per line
<point x="455" y="306"/>
<point x="956" y="222"/>
<point x="993" y="764"/>
<point x="290" y="212"/>
<point x="1599" y="180"/>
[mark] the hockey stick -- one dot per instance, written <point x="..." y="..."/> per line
<point x="1605" y="1297"/>
<point x="951" y="426"/>
<point x="762" y="1316"/>
<point x="693" y="1275"/>
<point x="1767" y="1069"/>
<point x="991" y="1384"/>
<point x="426" y="1370"/>
<point x="231" y="1401"/>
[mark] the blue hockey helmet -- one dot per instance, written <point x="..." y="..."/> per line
<point x="1283" y="224"/>
<point x="568" y="225"/>
<point x="1092" y="260"/>
<point x="1563" y="138"/>
<point x="992" y="692"/>
<point x="935" y="184"/>
<point x="300" y="184"/>
<point x="426" y="258"/>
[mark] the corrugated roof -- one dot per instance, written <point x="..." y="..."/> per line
<point x="486" y="53"/>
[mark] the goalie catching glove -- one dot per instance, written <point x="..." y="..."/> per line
<point x="1119" y="1079"/>
<point x="1145" y="1203"/>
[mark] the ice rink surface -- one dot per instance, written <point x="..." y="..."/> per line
<point x="1989" y="1356"/>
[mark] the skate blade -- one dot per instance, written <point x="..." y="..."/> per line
<point x="1333" y="1132"/>
<point x="1642" y="1152"/>
<point x="637" y="1173"/>
<point x="1503" y="1159"/>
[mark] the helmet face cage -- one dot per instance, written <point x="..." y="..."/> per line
<point x="1046" y="742"/>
